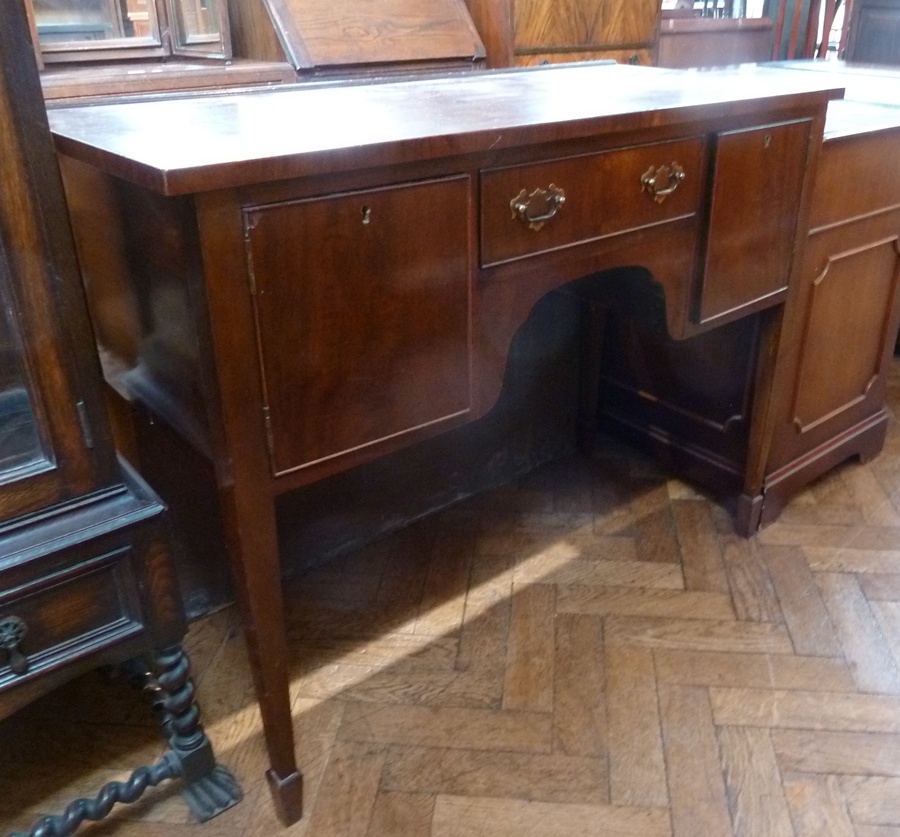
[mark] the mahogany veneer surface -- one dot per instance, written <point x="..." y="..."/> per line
<point x="183" y="145"/>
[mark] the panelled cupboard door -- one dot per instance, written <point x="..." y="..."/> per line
<point x="362" y="310"/>
<point x="584" y="23"/>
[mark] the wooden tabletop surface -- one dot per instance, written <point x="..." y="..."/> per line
<point x="188" y="143"/>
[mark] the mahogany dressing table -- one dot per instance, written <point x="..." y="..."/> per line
<point x="314" y="277"/>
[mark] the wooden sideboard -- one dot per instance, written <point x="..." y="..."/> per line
<point x="309" y="279"/>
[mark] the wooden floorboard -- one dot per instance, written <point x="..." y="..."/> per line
<point x="590" y="651"/>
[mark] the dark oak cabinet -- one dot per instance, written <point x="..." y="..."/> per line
<point x="87" y="572"/>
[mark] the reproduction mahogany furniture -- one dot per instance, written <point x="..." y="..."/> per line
<point x="526" y="32"/>
<point x="314" y="277"/>
<point x="86" y="555"/>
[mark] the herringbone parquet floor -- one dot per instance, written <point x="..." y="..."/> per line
<point x="588" y="652"/>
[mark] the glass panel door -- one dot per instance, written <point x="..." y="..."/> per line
<point x="68" y="29"/>
<point x="21" y="448"/>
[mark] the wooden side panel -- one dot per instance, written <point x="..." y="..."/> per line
<point x="841" y="319"/>
<point x="362" y="308"/>
<point x="494" y="21"/>
<point x="756" y="196"/>
<point x="253" y="34"/>
<point x="847" y="324"/>
<point x="850" y="305"/>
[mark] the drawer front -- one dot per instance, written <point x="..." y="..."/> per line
<point x="68" y="614"/>
<point x="541" y="207"/>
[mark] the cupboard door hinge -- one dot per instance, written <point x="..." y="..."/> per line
<point x="270" y="436"/>
<point x="251" y="275"/>
<point x="84" y="421"/>
<point x="249" y="224"/>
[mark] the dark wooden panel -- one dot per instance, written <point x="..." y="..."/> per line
<point x="73" y="613"/>
<point x="875" y="32"/>
<point x="686" y="399"/>
<point x="850" y="305"/>
<point x="709" y="42"/>
<point x="848" y="319"/>
<point x="362" y="306"/>
<point x="759" y="177"/>
<point x="326" y="33"/>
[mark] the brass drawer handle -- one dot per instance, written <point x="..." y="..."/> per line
<point x="660" y="182"/>
<point x="12" y="629"/>
<point x="538" y="207"/>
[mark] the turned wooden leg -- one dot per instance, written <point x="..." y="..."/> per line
<point x="208" y="787"/>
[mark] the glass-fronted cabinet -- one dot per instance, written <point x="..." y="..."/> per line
<point x="87" y="571"/>
<point x="86" y="30"/>
<point x="21" y="447"/>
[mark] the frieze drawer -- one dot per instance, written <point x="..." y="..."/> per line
<point x="545" y="206"/>
<point x="67" y="614"/>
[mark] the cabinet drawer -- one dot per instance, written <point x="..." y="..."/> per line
<point x="585" y="198"/>
<point x="70" y="613"/>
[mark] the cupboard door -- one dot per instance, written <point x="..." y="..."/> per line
<point x="362" y="310"/>
<point x="758" y="180"/>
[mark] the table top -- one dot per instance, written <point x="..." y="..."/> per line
<point x="189" y="143"/>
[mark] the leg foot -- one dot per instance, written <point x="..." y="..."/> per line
<point x="287" y="794"/>
<point x="208" y="788"/>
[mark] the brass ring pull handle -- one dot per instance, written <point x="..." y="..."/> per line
<point x="537" y="208"/>
<point x="12" y="629"/>
<point x="660" y="182"/>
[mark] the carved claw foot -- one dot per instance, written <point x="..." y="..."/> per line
<point x="211" y="794"/>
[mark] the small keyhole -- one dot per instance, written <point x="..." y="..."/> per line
<point x="366" y="215"/>
<point x="768" y="141"/>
